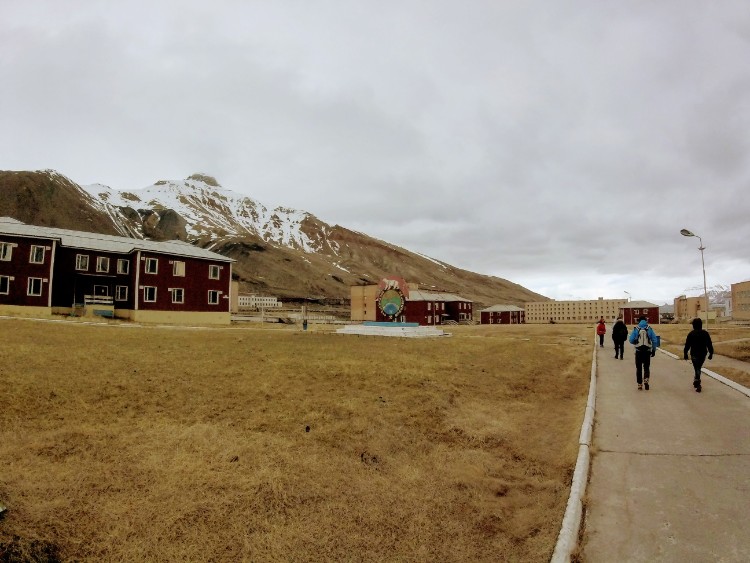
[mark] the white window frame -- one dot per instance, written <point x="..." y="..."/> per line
<point x="30" y="283"/>
<point x="146" y="289"/>
<point x="123" y="266"/>
<point x="175" y="291"/>
<point x="7" y="286"/>
<point x="178" y="268"/>
<point x="119" y="291"/>
<point x="214" y="268"/>
<point x="82" y="262"/>
<point x="147" y="267"/>
<point x="35" y="248"/>
<point x="6" y="251"/>
<point x="215" y="292"/>
<point x="102" y="264"/>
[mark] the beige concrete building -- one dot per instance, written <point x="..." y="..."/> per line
<point x="741" y="301"/>
<point x="364" y="305"/>
<point x="688" y="308"/>
<point x="573" y="311"/>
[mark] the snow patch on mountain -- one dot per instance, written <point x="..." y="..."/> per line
<point x="211" y="212"/>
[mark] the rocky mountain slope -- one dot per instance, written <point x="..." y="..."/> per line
<point x="281" y="252"/>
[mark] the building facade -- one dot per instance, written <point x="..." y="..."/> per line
<point x="741" y="301"/>
<point x="633" y="310"/>
<point x="573" y="311"/>
<point x="502" y="315"/>
<point x="256" y="302"/>
<point x="395" y="301"/>
<point x="688" y="308"/>
<point x="46" y="271"/>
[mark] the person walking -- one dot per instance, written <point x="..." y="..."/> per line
<point x="644" y="340"/>
<point x="601" y="330"/>
<point x="698" y="343"/>
<point x="619" y="336"/>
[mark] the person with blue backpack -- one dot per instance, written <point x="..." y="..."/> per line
<point x="645" y="341"/>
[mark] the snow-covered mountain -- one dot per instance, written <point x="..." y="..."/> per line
<point x="210" y="212"/>
<point x="281" y="252"/>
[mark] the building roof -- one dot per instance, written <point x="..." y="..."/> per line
<point x="639" y="305"/>
<point x="422" y="295"/>
<point x="501" y="309"/>
<point x="107" y="243"/>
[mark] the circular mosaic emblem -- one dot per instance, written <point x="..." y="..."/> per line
<point x="391" y="302"/>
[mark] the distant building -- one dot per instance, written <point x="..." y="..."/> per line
<point x="393" y="300"/>
<point x="257" y="302"/>
<point x="633" y="310"/>
<point x="46" y="271"/>
<point x="502" y="314"/>
<point x="688" y="308"/>
<point x="741" y="301"/>
<point x="573" y="311"/>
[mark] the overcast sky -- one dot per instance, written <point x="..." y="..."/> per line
<point x="561" y="145"/>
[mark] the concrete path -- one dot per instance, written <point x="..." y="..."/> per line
<point x="670" y="469"/>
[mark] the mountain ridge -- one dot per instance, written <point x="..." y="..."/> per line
<point x="283" y="252"/>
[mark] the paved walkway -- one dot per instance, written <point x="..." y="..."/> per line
<point x="670" y="469"/>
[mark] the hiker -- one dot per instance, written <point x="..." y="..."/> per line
<point x="601" y="330"/>
<point x="698" y="343"/>
<point x="644" y="340"/>
<point x="619" y="336"/>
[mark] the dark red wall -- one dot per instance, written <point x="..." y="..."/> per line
<point x="70" y="285"/>
<point x="424" y="312"/>
<point x="195" y="283"/>
<point x="20" y="269"/>
<point x="631" y="317"/>
<point x="502" y="317"/>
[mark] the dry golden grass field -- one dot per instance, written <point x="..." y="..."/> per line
<point x="120" y="443"/>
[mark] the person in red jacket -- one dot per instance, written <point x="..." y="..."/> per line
<point x="601" y="330"/>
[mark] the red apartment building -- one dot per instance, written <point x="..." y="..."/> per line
<point x="502" y="315"/>
<point x="46" y="271"/>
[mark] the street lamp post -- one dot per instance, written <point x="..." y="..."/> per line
<point x="628" y="293"/>
<point x="686" y="233"/>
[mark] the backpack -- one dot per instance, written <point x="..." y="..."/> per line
<point x="643" y="340"/>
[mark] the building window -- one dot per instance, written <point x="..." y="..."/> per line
<point x="149" y="294"/>
<point x="35" y="287"/>
<point x="6" y="251"/>
<point x="213" y="272"/>
<point x="429" y="306"/>
<point x="36" y="256"/>
<point x="102" y="264"/>
<point x="82" y="262"/>
<point x="213" y="297"/>
<point x="178" y="295"/>
<point x="123" y="266"/>
<point x="152" y="265"/>
<point x="121" y="293"/>
<point x="178" y="268"/>
<point x="4" y="285"/>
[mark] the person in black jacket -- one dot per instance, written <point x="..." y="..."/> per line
<point x="698" y="343"/>
<point x="619" y="336"/>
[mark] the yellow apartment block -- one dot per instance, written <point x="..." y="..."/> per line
<point x="573" y="311"/>
<point x="688" y="308"/>
<point x="363" y="302"/>
<point x="741" y="301"/>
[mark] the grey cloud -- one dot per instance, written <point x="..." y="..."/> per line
<point x="561" y="145"/>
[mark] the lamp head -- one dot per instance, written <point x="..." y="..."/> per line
<point x="686" y="233"/>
